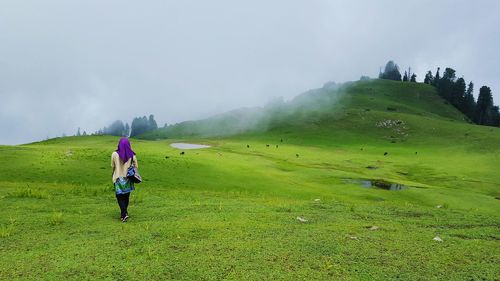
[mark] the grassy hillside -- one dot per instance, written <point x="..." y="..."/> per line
<point x="315" y="105"/>
<point x="230" y="212"/>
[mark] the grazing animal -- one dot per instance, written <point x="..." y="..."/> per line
<point x="248" y="146"/>
<point x="297" y="155"/>
<point x="416" y="152"/>
<point x="385" y="153"/>
<point x="267" y="145"/>
<point x="182" y="153"/>
<point x="166" y="157"/>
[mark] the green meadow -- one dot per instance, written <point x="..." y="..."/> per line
<point x="289" y="201"/>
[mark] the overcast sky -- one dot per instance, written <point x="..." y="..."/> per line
<point x="69" y="64"/>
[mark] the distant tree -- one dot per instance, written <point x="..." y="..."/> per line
<point x="391" y="72"/>
<point x="429" y="79"/>
<point x="78" y="133"/>
<point x="84" y="133"/>
<point x="405" y="77"/>
<point x="449" y="74"/>
<point x="495" y="116"/>
<point x="437" y="77"/>
<point x="127" y="130"/>
<point x="364" y="78"/>
<point x="469" y="102"/>
<point x="117" y="128"/>
<point x="484" y="106"/>
<point x="136" y="128"/>
<point x="445" y="86"/>
<point x="413" y="78"/>
<point x="139" y="126"/>
<point x="152" y="123"/>
<point x="458" y="94"/>
<point x="470" y="89"/>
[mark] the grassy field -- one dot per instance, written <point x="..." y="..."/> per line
<point x="230" y="212"/>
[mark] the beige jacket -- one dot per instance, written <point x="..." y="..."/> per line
<point x="120" y="168"/>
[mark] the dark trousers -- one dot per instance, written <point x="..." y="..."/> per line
<point x="123" y="203"/>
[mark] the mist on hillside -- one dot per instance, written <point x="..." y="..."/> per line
<point x="302" y="108"/>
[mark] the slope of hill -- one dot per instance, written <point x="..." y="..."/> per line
<point x="329" y="102"/>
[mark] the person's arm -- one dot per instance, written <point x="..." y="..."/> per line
<point x="135" y="161"/>
<point x="113" y="162"/>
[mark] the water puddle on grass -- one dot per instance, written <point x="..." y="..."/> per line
<point x="181" y="145"/>
<point x="377" y="183"/>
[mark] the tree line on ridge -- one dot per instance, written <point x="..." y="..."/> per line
<point x="455" y="91"/>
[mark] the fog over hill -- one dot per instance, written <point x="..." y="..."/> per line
<point x="66" y="64"/>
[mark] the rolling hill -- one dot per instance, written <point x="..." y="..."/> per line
<point x="330" y="103"/>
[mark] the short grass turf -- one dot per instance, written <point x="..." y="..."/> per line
<point x="230" y="212"/>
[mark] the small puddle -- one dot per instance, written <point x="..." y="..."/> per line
<point x="181" y="145"/>
<point x="377" y="183"/>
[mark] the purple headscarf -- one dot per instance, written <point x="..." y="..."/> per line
<point x="125" y="150"/>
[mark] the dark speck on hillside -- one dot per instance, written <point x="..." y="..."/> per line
<point x="385" y="153"/>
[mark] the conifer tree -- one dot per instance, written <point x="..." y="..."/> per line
<point x="429" y="79"/>
<point x="391" y="72"/>
<point x="469" y="102"/>
<point x="484" y="106"/>
<point x="152" y="123"/>
<point x="436" y="78"/>
<point x="458" y="95"/>
<point x="127" y="130"/>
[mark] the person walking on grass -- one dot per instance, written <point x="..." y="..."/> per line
<point x="121" y="160"/>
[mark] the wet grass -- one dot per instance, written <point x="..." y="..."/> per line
<point x="230" y="212"/>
